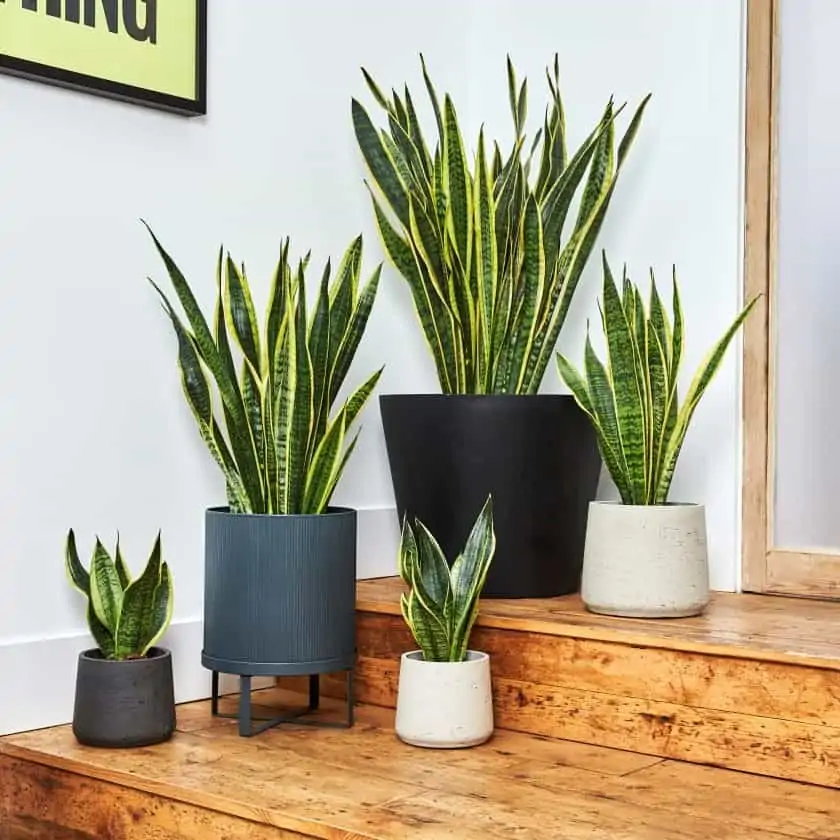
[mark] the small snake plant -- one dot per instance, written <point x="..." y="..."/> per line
<point x="126" y="616"/>
<point x="284" y="453"/>
<point x="482" y="244"/>
<point x="441" y="605"/>
<point x="633" y="401"/>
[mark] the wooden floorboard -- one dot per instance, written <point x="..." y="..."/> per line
<point x="772" y="628"/>
<point x="752" y="685"/>
<point x="363" y="784"/>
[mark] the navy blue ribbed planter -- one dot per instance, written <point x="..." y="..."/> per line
<point x="279" y="593"/>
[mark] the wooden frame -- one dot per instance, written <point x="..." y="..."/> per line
<point x="766" y="568"/>
<point x="75" y="11"/>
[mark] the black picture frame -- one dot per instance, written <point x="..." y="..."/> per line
<point x="195" y="107"/>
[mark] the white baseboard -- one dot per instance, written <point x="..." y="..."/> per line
<point x="39" y="675"/>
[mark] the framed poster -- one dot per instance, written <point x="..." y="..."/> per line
<point x="151" y="52"/>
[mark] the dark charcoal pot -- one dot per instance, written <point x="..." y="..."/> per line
<point x="538" y="455"/>
<point x="279" y="592"/>
<point x="124" y="703"/>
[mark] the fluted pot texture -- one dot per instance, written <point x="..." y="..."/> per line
<point x="279" y="592"/>
<point x="646" y="561"/>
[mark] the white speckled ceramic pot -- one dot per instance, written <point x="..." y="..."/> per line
<point x="645" y="561"/>
<point x="444" y="705"/>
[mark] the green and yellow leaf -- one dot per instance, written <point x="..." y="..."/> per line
<point x="137" y="607"/>
<point x="106" y="594"/>
<point x="76" y="573"/>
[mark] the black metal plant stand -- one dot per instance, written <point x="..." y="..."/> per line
<point x="250" y="724"/>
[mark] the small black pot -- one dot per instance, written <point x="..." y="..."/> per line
<point x="538" y="456"/>
<point x="124" y="703"/>
<point x="279" y="592"/>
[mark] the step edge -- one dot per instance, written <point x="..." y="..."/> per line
<point x="732" y="649"/>
<point x="200" y="799"/>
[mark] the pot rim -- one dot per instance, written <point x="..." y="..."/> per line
<point x="667" y="506"/>
<point x="331" y="512"/>
<point x="473" y="656"/>
<point x="475" y="397"/>
<point x="156" y="653"/>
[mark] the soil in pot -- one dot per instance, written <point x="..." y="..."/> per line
<point x="537" y="455"/>
<point x="646" y="561"/>
<point x="124" y="703"/>
<point x="444" y="705"/>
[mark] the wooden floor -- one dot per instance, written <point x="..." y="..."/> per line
<point x="786" y="630"/>
<point x="363" y="784"/>
<point x="598" y="719"/>
<point x="752" y="685"/>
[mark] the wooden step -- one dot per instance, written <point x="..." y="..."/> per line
<point x="752" y="685"/>
<point x="363" y="784"/>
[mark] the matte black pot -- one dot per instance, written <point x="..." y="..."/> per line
<point x="538" y="456"/>
<point x="279" y="592"/>
<point x="124" y="703"/>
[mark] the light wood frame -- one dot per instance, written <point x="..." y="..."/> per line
<point x="766" y="568"/>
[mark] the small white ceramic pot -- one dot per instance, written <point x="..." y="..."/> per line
<point x="645" y="561"/>
<point x="444" y="705"/>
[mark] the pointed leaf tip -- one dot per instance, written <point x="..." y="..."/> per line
<point x="77" y="574"/>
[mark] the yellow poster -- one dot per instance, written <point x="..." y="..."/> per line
<point x="151" y="51"/>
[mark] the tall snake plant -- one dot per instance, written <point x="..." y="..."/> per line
<point x="633" y="400"/>
<point x="482" y="248"/>
<point x="126" y="616"/>
<point x="285" y="450"/>
<point x="441" y="605"/>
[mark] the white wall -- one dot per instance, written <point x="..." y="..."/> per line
<point x="679" y="198"/>
<point x="93" y="430"/>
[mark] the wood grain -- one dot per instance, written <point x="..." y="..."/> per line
<point x="43" y="803"/>
<point x="371" y="748"/>
<point x="767" y="689"/>
<point x="753" y="685"/>
<point x="275" y="788"/>
<point x="708" y="793"/>
<point x="751" y="743"/>
<point x="759" y="178"/>
<point x="804" y="572"/>
<point x="363" y="784"/>
<point x="785" y="630"/>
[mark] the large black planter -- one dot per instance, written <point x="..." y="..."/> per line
<point x="279" y="597"/>
<point x="538" y="456"/>
<point x="124" y="703"/>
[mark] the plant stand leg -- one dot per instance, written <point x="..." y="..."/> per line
<point x="251" y="724"/>
<point x="351" y="699"/>
<point x="314" y="692"/>
<point x="214" y="694"/>
<point x="245" y="725"/>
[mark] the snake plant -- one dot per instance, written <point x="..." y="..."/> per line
<point x="633" y="401"/>
<point x="482" y="246"/>
<point x="441" y="605"/>
<point x="285" y="448"/>
<point x="126" y="616"/>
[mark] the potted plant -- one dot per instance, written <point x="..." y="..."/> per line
<point x="492" y="267"/>
<point x="280" y="559"/>
<point x="646" y="556"/>
<point x="444" y="696"/>
<point x="124" y="689"/>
